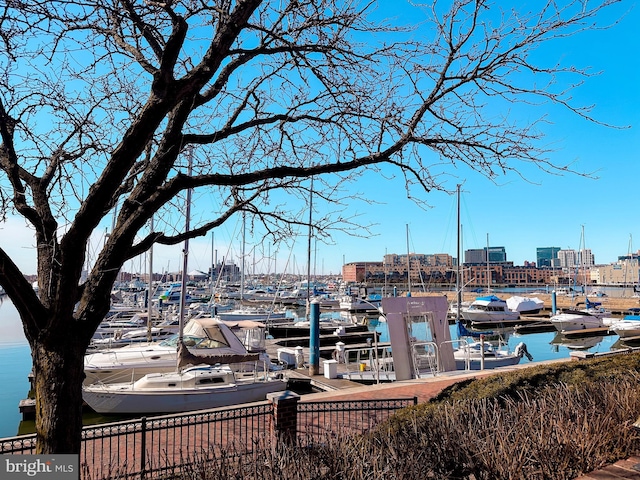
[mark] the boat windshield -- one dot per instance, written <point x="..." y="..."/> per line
<point x="192" y="341"/>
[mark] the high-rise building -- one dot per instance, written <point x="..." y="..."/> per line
<point x="568" y="258"/>
<point x="479" y="255"/>
<point x="547" y="256"/>
<point x="497" y="255"/>
<point x="586" y="258"/>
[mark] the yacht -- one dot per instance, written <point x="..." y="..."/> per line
<point x="489" y="310"/>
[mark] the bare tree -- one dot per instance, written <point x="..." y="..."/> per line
<point x="102" y="102"/>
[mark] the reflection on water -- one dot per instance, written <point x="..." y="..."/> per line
<point x="576" y="343"/>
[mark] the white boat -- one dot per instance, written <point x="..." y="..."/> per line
<point x="628" y="327"/>
<point x="489" y="310"/>
<point x="525" y="305"/>
<point x="570" y="320"/>
<point x="256" y="314"/>
<point x="172" y="295"/>
<point x="195" y="388"/>
<point x="592" y="316"/>
<point x="207" y="336"/>
<point x="371" y="303"/>
<point x="129" y="337"/>
<point x="454" y="311"/>
<point x="117" y="327"/>
<point x="469" y="356"/>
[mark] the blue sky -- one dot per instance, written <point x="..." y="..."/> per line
<point x="518" y="213"/>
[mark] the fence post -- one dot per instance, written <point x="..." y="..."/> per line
<point x="143" y="448"/>
<point x="285" y="415"/>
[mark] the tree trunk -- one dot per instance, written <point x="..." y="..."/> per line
<point x="58" y="367"/>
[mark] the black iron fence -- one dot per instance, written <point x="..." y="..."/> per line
<point x="150" y="447"/>
<point x="319" y="420"/>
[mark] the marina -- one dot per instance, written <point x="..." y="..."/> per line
<point x="542" y="342"/>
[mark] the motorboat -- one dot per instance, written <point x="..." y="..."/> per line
<point x="172" y="295"/>
<point x="628" y="327"/>
<point x="209" y="336"/>
<point x="570" y="320"/>
<point x="195" y="388"/>
<point x="109" y="329"/>
<point x="525" y="305"/>
<point x="592" y="316"/>
<point x="328" y="324"/>
<point x="477" y="355"/>
<point x="139" y="335"/>
<point x="489" y="310"/>
<point x="256" y="314"/>
<point x="370" y="303"/>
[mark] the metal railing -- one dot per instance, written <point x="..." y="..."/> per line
<point x="318" y="421"/>
<point x="373" y="363"/>
<point x="426" y="358"/>
<point x="149" y="447"/>
<point x="165" y="445"/>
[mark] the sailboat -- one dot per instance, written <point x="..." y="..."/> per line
<point x="205" y="336"/>
<point x="474" y="354"/>
<point x="590" y="317"/>
<point x="198" y="382"/>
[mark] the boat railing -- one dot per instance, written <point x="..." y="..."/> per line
<point x="461" y="344"/>
<point x="375" y="361"/>
<point x="426" y="358"/>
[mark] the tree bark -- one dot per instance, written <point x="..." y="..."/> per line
<point x="58" y="368"/>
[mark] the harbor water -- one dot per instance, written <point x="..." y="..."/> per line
<point x="15" y="365"/>
<point x="15" y="358"/>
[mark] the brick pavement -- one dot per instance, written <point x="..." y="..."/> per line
<point x="628" y="469"/>
<point x="422" y="388"/>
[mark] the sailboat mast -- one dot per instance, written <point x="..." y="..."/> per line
<point x="185" y="258"/>
<point x="242" y="263"/>
<point x="488" y="270"/>
<point x="309" y="248"/>
<point x="583" y="255"/>
<point x="150" y="286"/>
<point x="408" y="265"/>
<point x="458" y="285"/>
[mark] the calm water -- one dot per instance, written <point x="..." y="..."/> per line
<point x="15" y="365"/>
<point x="15" y="359"/>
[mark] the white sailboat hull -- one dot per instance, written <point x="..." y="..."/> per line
<point x="176" y="394"/>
